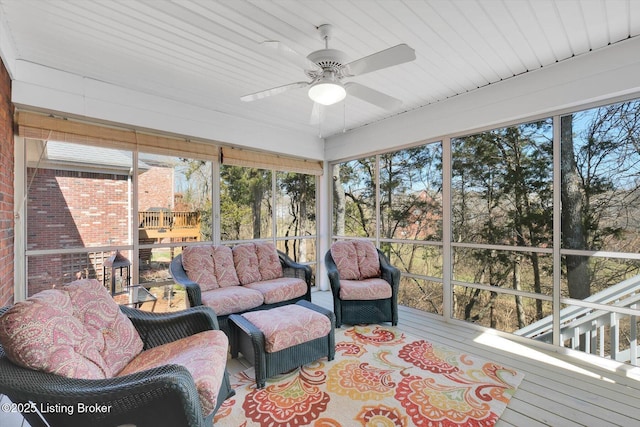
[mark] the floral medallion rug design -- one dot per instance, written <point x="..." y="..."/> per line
<point x="379" y="377"/>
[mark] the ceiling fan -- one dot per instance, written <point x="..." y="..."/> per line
<point x="328" y="67"/>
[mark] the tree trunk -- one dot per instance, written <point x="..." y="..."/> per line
<point x="256" y="204"/>
<point x="302" y="222"/>
<point x="537" y="286"/>
<point x="573" y="233"/>
<point x="339" y="202"/>
<point x="517" y="285"/>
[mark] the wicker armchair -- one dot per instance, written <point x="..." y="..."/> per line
<point x="362" y="306"/>
<point x="163" y="396"/>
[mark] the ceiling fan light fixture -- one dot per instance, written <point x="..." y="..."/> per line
<point x="327" y="92"/>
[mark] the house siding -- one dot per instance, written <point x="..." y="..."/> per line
<point x="6" y="188"/>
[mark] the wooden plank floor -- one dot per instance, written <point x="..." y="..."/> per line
<point x="558" y="389"/>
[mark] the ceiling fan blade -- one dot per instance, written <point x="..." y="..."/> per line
<point x="385" y="58"/>
<point x="372" y="96"/>
<point x="273" y="91"/>
<point x="285" y="52"/>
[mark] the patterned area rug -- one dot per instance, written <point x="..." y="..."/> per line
<point x="380" y="377"/>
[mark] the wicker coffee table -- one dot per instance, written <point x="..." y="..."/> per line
<point x="283" y="338"/>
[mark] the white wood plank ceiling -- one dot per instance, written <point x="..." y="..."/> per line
<point x="208" y="53"/>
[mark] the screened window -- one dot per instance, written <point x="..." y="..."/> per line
<point x="295" y="213"/>
<point x="245" y="203"/>
<point x="600" y="167"/>
<point x="502" y="186"/>
<point x="78" y="198"/>
<point x="174" y="207"/>
<point x="354" y="201"/>
<point x="411" y="193"/>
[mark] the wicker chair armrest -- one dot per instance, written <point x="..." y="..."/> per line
<point x="388" y="272"/>
<point x="160" y="328"/>
<point x="295" y="269"/>
<point x="161" y="396"/>
<point x="332" y="272"/>
<point x="179" y="275"/>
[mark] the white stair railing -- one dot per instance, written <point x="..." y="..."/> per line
<point x="597" y="331"/>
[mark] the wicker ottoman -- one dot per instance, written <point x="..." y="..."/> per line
<point x="283" y="338"/>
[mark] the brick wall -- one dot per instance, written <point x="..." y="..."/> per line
<point x="72" y="209"/>
<point x="6" y="188"/>
<point x="155" y="189"/>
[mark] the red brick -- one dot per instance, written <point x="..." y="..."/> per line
<point x="6" y="189"/>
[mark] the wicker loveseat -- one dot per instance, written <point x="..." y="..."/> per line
<point x="73" y="357"/>
<point x="363" y="283"/>
<point x="247" y="277"/>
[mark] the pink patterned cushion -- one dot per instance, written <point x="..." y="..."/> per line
<point x="368" y="289"/>
<point x="268" y="261"/>
<point x="368" y="261"/>
<point x="111" y="331"/>
<point x="232" y="299"/>
<point x="356" y="260"/>
<point x="278" y="290"/>
<point x="41" y="333"/>
<point x="204" y="355"/>
<point x="197" y="262"/>
<point x="289" y="325"/>
<point x="345" y="256"/>
<point x="245" y="259"/>
<point x="76" y="331"/>
<point x="224" y="266"/>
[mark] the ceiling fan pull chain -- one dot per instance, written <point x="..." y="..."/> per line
<point x="344" y="116"/>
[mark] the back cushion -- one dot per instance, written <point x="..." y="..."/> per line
<point x="368" y="261"/>
<point x="346" y="258"/>
<point x="245" y="259"/>
<point x="197" y="262"/>
<point x="268" y="261"/>
<point x="225" y="269"/>
<point x="110" y="330"/>
<point x="41" y="333"/>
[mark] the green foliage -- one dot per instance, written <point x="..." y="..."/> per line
<point x="244" y="195"/>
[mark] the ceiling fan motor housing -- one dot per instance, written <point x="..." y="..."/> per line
<point x="328" y="59"/>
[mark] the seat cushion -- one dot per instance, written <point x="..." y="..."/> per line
<point x="41" y="333"/>
<point x="204" y="355"/>
<point x="279" y="290"/>
<point x="356" y="259"/>
<point x="210" y="266"/>
<point x="368" y="289"/>
<point x="232" y="299"/>
<point x="197" y="262"/>
<point x="268" y="261"/>
<point x="346" y="259"/>
<point x="368" y="261"/>
<point x="256" y="262"/>
<point x="245" y="259"/>
<point x="289" y="325"/>
<point x="224" y="267"/>
<point x="76" y="331"/>
<point x="113" y="334"/>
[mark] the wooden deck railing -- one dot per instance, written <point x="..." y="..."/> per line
<point x="159" y="224"/>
